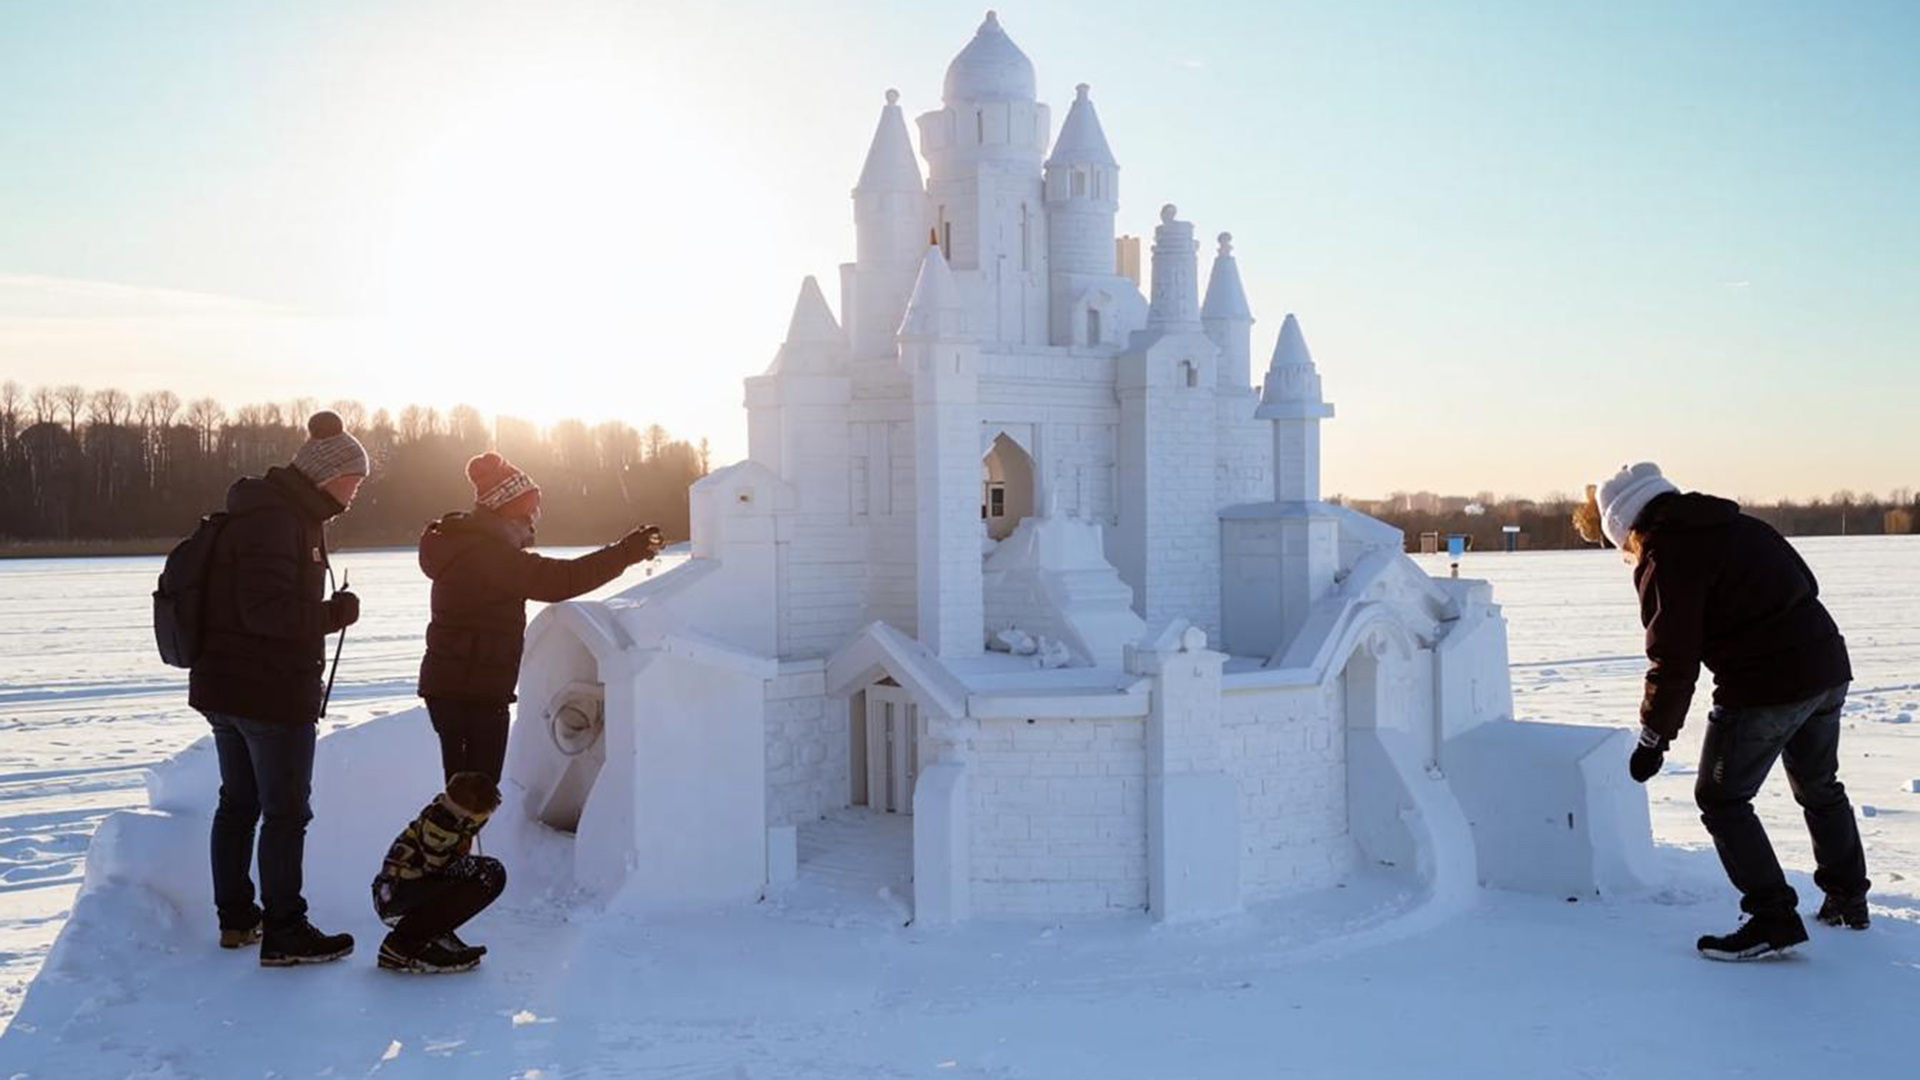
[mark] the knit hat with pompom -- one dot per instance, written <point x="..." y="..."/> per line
<point x="329" y="451"/>
<point x="501" y="488"/>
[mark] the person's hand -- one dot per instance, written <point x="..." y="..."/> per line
<point x="1648" y="756"/>
<point x="343" y="610"/>
<point x="642" y="544"/>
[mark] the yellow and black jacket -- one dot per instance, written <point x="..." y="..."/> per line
<point x="444" y="831"/>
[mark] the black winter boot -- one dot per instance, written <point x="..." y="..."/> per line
<point x="302" y="944"/>
<point x="452" y="942"/>
<point x="240" y="939"/>
<point x="1850" y="913"/>
<point x="1760" y="937"/>
<point x="431" y="958"/>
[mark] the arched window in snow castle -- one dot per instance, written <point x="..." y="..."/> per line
<point x="979" y="126"/>
<point x="1189" y="373"/>
<point x="1079" y="182"/>
<point x="1093" y="326"/>
<point x="945" y="234"/>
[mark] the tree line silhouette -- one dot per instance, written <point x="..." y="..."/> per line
<point x="1548" y="523"/>
<point x="87" y="465"/>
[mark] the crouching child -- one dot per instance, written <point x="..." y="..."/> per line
<point x="430" y="883"/>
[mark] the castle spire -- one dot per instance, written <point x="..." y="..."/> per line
<point x="891" y="165"/>
<point x="1228" y="320"/>
<point x="935" y="310"/>
<point x="814" y="343"/>
<point x="1292" y="399"/>
<point x="1081" y="140"/>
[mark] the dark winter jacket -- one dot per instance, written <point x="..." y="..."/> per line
<point x="482" y="581"/>
<point x="267" y="617"/>
<point x="1723" y="589"/>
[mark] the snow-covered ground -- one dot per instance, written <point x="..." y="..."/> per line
<point x="826" y="981"/>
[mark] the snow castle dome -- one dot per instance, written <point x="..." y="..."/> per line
<point x="990" y="68"/>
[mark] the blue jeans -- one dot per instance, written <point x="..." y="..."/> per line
<point x="1740" y="749"/>
<point x="266" y="778"/>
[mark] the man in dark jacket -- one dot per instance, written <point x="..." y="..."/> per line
<point x="483" y="577"/>
<point x="258" y="682"/>
<point x="1723" y="589"/>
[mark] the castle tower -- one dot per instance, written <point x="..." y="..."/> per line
<point x="1167" y="543"/>
<point x="983" y="151"/>
<point x="1228" y="319"/>
<point x="943" y="361"/>
<point x="1291" y="398"/>
<point x="1083" y="195"/>
<point x="890" y="224"/>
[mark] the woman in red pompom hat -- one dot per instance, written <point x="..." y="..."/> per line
<point x="483" y="575"/>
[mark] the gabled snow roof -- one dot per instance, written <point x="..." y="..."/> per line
<point x="1081" y="141"/>
<point x="891" y="165"/>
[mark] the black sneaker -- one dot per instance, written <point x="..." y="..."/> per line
<point x="452" y="942"/>
<point x="1850" y="913"/>
<point x="302" y="944"/>
<point x="240" y="939"/>
<point x="1759" y="938"/>
<point x="431" y="958"/>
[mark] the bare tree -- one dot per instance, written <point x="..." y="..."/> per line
<point x="108" y="407"/>
<point x="351" y="413"/>
<point x="656" y="440"/>
<point x="299" y="409"/>
<point x="467" y="426"/>
<point x="12" y="397"/>
<point x="46" y="404"/>
<point x="72" y="399"/>
<point x="206" y="416"/>
<point x="413" y="421"/>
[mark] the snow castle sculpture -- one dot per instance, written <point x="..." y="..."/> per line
<point x="1027" y="556"/>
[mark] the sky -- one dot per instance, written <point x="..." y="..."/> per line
<point x="1528" y="241"/>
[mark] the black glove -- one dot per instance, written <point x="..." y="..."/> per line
<point x="343" y="610"/>
<point x="1648" y="756"/>
<point x="642" y="543"/>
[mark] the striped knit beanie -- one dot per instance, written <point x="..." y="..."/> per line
<point x="501" y="488"/>
<point x="329" y="451"/>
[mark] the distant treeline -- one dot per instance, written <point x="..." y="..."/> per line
<point x="98" y="465"/>
<point x="1548" y="523"/>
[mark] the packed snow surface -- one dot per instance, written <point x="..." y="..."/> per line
<point x="828" y="978"/>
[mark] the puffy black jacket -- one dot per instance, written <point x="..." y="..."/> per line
<point x="1723" y="589"/>
<point x="264" y="652"/>
<point x="482" y="581"/>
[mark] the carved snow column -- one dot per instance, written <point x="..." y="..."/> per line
<point x="942" y="826"/>
<point x="943" y="361"/>
<point x="1308" y="533"/>
<point x="1193" y="806"/>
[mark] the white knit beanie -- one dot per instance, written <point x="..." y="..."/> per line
<point x="329" y="451"/>
<point x="1626" y="495"/>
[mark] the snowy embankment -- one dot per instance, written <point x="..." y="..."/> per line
<point x="825" y="980"/>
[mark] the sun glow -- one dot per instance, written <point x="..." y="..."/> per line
<point x="546" y="245"/>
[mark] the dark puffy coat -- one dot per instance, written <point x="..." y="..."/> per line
<point x="263" y="656"/>
<point x="482" y="581"/>
<point x="1723" y="589"/>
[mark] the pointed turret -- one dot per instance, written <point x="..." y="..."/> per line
<point x="814" y="344"/>
<point x="1227" y="318"/>
<point x="890" y="227"/>
<point x="1292" y="399"/>
<point x="935" y="310"/>
<point x="1081" y="141"/>
<point x="891" y="164"/>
